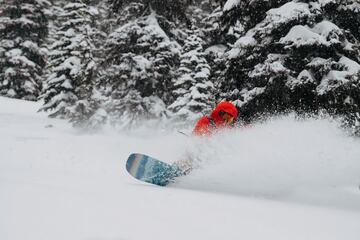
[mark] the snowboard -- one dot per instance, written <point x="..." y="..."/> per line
<point x="151" y="170"/>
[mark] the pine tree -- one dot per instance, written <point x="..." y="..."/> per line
<point x="122" y="11"/>
<point x="301" y="55"/>
<point x="138" y="70"/>
<point x="72" y="63"/>
<point x="193" y="91"/>
<point x="172" y="10"/>
<point x="218" y="39"/>
<point x="23" y="29"/>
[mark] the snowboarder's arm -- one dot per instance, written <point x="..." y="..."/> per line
<point x="202" y="127"/>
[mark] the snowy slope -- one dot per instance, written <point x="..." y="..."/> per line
<point x="58" y="183"/>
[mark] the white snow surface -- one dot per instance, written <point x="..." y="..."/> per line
<point x="283" y="179"/>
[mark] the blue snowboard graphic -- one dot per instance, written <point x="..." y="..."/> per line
<point x="151" y="170"/>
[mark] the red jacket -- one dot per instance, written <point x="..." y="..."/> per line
<point x="208" y="124"/>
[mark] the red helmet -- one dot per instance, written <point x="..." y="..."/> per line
<point x="227" y="107"/>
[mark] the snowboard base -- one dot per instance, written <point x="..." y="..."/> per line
<point x="151" y="170"/>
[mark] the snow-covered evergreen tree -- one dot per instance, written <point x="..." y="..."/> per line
<point x="198" y="10"/>
<point x="121" y="12"/>
<point x="193" y="90"/>
<point x="172" y="10"/>
<point x="218" y="38"/>
<point x="23" y="28"/>
<point x="138" y="70"/>
<point x="301" y="55"/>
<point x="72" y="64"/>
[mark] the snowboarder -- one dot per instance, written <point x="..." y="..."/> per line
<point x="223" y="116"/>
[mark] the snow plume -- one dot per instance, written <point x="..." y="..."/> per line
<point x="310" y="161"/>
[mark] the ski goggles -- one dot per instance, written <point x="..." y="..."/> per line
<point x="228" y="118"/>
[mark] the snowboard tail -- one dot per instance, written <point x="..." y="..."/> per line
<point x="151" y="170"/>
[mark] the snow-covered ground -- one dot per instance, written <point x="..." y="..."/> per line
<point x="284" y="179"/>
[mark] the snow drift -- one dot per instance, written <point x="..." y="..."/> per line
<point x="284" y="179"/>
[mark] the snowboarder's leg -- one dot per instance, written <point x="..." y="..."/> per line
<point x="184" y="165"/>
